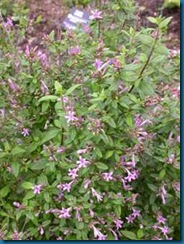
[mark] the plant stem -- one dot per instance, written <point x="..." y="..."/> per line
<point x="99" y="29"/>
<point x="147" y="61"/>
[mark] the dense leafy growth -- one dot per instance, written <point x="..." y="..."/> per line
<point x="89" y="122"/>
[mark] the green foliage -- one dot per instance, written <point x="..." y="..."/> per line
<point x="171" y="3"/>
<point x="89" y="133"/>
<point x="72" y="3"/>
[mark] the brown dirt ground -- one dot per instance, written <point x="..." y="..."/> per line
<point x="53" y="12"/>
<point x="154" y="8"/>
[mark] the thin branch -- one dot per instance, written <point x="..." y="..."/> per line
<point x="147" y="61"/>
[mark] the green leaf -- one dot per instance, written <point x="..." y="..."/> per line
<point x="145" y="39"/>
<point x="42" y="179"/>
<point x="129" y="120"/>
<point x="49" y="135"/>
<point x="45" y="106"/>
<point x="105" y="138"/>
<point x="48" y="98"/>
<point x="69" y="91"/>
<point x="4" y="191"/>
<point x="3" y="154"/>
<point x="92" y="107"/>
<point x="161" y="49"/>
<point x="51" y="35"/>
<point x="137" y="82"/>
<point x="47" y="197"/>
<point x="108" y="154"/>
<point x="111" y="122"/>
<point x="152" y="20"/>
<point x="132" y="67"/>
<point x="57" y="123"/>
<point x="15" y="168"/>
<point x="165" y="22"/>
<point x="29" y="195"/>
<point x="152" y="187"/>
<point x="129" y="234"/>
<point x="38" y="165"/>
<point x="80" y="225"/>
<point x="98" y="152"/>
<point x="101" y="166"/>
<point x="64" y="165"/>
<point x="117" y="211"/>
<point x="32" y="147"/>
<point x="46" y="223"/>
<point x="27" y="185"/>
<point x="17" y="150"/>
<point x="30" y="215"/>
<point x="161" y="174"/>
<point x="140" y="234"/>
<point x="58" y="87"/>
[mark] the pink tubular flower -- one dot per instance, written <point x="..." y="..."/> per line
<point x="178" y="138"/>
<point x="136" y="213"/>
<point x="82" y="162"/>
<point x="16" y="204"/>
<point x="171" y="158"/>
<point x="129" y="164"/>
<point x="41" y="231"/>
<point x="8" y="23"/>
<point x="130" y="219"/>
<point x="73" y="173"/>
<point x="67" y="186"/>
<point x="64" y="213"/>
<point x="74" y="51"/>
<point x="27" y="51"/>
<point x="98" y="234"/>
<point x="131" y="175"/>
<point x="16" y="235"/>
<point x="139" y="121"/>
<point x="13" y="86"/>
<point x="44" y="88"/>
<point x="59" y="238"/>
<point x="1" y="235"/>
<point x="43" y="57"/>
<point x="168" y="238"/>
<point x="118" y="223"/>
<point x="37" y="189"/>
<point x="97" y="195"/>
<point x="77" y="214"/>
<point x="91" y="213"/>
<point x="161" y="219"/>
<point x="25" y="132"/>
<point x="70" y="116"/>
<point x="60" y="150"/>
<point x="3" y="112"/>
<point x="116" y="63"/>
<point x="114" y="234"/>
<point x="102" y="237"/>
<point x="81" y="151"/>
<point x="86" y="183"/>
<point x="164" y="230"/>
<point x="162" y="193"/>
<point x="107" y="176"/>
<point x="98" y="63"/>
<point x="86" y="29"/>
<point x="96" y="15"/>
<point x="155" y="226"/>
<point x="125" y="186"/>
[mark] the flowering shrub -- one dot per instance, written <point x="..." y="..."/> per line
<point x="89" y="121"/>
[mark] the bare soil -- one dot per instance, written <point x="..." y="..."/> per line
<point x="155" y="8"/>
